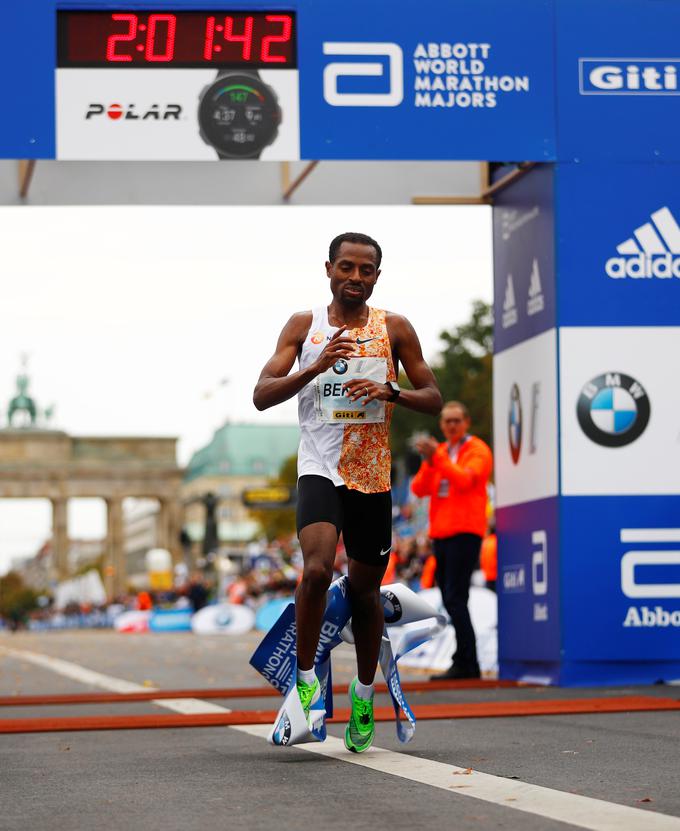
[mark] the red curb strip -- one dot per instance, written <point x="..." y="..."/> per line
<point x="491" y="709"/>
<point x="236" y="692"/>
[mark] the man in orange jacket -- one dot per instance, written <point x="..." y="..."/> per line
<point x="454" y="475"/>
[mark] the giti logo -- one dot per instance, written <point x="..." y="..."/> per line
<point x="628" y="76"/>
<point x="116" y="112"/>
<point x="394" y="70"/>
<point x="613" y="409"/>
<point x="652" y="251"/>
<point x="348" y="415"/>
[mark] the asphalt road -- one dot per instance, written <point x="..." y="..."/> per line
<point x="223" y="777"/>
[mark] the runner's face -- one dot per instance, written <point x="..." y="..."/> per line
<point x="453" y="424"/>
<point x="353" y="273"/>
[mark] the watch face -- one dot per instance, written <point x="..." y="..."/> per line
<point x="239" y="116"/>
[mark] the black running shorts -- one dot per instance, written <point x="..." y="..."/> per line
<point x="365" y="519"/>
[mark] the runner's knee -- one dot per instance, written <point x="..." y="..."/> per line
<point x="317" y="576"/>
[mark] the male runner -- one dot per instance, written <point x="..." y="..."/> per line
<point x="348" y="354"/>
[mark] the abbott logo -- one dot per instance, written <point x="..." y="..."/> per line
<point x="649" y="560"/>
<point x="333" y="71"/>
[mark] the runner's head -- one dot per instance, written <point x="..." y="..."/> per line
<point x="353" y="267"/>
<point x="454" y="421"/>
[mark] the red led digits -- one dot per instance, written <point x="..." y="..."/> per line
<point x="209" y="38"/>
<point x="283" y="37"/>
<point x="169" y="51"/>
<point x="131" y="34"/>
<point x="182" y="39"/>
<point x="246" y="38"/>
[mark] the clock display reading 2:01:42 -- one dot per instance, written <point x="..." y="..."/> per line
<point x="176" y="39"/>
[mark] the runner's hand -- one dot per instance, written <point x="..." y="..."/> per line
<point x="337" y="347"/>
<point x="369" y="390"/>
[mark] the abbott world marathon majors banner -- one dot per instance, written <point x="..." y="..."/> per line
<point x="338" y="80"/>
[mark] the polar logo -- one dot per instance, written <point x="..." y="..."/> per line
<point x="628" y="76"/>
<point x="334" y="71"/>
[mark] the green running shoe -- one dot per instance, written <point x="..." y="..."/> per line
<point x="361" y="728"/>
<point x="309" y="694"/>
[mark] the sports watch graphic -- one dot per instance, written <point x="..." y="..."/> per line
<point x="238" y="114"/>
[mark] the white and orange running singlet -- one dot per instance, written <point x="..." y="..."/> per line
<point x="345" y="441"/>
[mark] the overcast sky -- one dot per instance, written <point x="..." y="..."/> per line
<point x="157" y="320"/>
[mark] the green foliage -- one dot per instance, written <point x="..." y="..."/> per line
<point x="463" y="372"/>
<point x="16" y="599"/>
<point x="279" y="522"/>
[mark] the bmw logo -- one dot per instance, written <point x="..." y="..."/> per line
<point x="613" y="409"/>
<point x="282" y="731"/>
<point x="515" y="424"/>
<point x="340" y="367"/>
<point x="391" y="607"/>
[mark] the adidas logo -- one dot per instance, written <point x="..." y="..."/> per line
<point x="509" y="305"/>
<point x="536" y="301"/>
<point x="652" y="251"/>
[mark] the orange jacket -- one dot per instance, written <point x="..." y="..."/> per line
<point x="457" y="491"/>
<point x="488" y="557"/>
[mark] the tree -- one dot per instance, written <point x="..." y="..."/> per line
<point x="463" y="372"/>
<point x="16" y="599"/>
<point x="279" y="522"/>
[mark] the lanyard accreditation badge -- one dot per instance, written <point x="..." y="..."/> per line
<point x="331" y="401"/>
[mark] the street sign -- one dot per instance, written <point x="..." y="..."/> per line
<point x="270" y="496"/>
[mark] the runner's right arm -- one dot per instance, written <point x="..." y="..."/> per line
<point x="275" y="385"/>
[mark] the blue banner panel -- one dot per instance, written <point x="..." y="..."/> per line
<point x="618" y="80"/>
<point x="529" y="591"/>
<point x="27" y="63"/>
<point x="618" y="245"/>
<point x="524" y="259"/>
<point x="422" y="79"/>
<point x="620" y="573"/>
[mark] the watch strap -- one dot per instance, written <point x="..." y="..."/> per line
<point x="222" y="73"/>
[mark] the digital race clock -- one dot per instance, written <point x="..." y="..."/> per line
<point x="179" y="39"/>
<point x="232" y="85"/>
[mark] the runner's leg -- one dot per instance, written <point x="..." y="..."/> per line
<point x="318" y="542"/>
<point x="367" y="615"/>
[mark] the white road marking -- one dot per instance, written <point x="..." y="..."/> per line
<point x="573" y="809"/>
<point x="186" y="706"/>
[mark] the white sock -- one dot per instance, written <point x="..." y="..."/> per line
<point x="364" y="691"/>
<point x="308" y="676"/>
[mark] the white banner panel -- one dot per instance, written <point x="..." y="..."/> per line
<point x="525" y="420"/>
<point x="153" y="114"/>
<point x="620" y="410"/>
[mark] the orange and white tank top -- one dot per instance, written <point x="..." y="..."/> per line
<point x="342" y="440"/>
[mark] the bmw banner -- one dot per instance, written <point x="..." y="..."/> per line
<point x="587" y="440"/>
<point x="275" y="659"/>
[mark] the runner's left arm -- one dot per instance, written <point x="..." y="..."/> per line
<point x="425" y="396"/>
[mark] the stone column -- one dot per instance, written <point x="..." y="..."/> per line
<point x="116" y="565"/>
<point x="168" y="528"/>
<point x="60" y="537"/>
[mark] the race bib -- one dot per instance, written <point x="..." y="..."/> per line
<point x="332" y="403"/>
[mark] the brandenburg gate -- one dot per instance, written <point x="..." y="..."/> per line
<point x="50" y="464"/>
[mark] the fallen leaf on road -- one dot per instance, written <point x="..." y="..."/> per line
<point x="645" y="799"/>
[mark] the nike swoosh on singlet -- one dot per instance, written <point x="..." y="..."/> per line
<point x="366" y="340"/>
<point x="384" y="553"/>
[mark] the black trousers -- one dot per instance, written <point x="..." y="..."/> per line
<point x="457" y="557"/>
